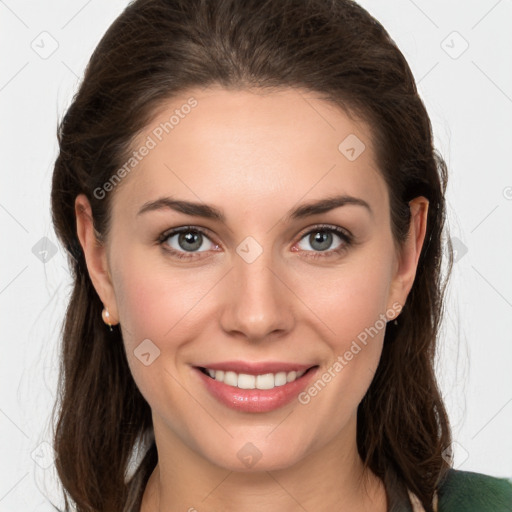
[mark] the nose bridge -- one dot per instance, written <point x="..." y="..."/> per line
<point x="257" y="302"/>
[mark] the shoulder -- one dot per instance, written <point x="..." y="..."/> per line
<point x="474" y="492"/>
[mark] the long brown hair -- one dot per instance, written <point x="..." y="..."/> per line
<point x="157" y="49"/>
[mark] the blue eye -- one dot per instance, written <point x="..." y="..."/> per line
<point x="188" y="240"/>
<point x="321" y="238"/>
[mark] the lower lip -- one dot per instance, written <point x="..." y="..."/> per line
<point x="256" y="400"/>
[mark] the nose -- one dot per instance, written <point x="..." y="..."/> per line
<point x="259" y="303"/>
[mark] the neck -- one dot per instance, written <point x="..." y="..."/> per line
<point x="331" y="478"/>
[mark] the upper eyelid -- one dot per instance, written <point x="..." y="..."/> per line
<point x="183" y="229"/>
<point x="326" y="227"/>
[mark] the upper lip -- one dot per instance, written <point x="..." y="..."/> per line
<point x="256" y="368"/>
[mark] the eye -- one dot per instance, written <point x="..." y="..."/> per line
<point x="184" y="242"/>
<point x="321" y="238"/>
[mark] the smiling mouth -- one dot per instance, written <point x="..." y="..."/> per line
<point x="261" y="381"/>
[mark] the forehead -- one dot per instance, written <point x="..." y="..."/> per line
<point x="248" y="148"/>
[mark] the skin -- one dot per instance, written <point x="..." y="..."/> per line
<point x="255" y="156"/>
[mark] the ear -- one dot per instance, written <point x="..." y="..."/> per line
<point x="410" y="252"/>
<point x="95" y="256"/>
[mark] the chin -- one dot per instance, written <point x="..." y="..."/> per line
<point x="255" y="454"/>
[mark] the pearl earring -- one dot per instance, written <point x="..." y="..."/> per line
<point x="106" y="318"/>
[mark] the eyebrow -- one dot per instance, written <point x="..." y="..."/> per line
<point x="211" y="212"/>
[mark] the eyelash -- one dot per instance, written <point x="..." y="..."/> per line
<point x="343" y="234"/>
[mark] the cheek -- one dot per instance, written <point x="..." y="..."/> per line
<point x="159" y="309"/>
<point x="353" y="308"/>
<point x="349" y="298"/>
<point x="153" y="299"/>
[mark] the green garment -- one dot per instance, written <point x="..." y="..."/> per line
<point x="465" y="491"/>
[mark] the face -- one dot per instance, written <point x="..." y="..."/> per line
<point x="264" y="290"/>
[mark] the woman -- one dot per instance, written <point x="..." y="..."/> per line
<point x="254" y="211"/>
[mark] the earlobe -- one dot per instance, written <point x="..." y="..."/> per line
<point x="95" y="256"/>
<point x="410" y="251"/>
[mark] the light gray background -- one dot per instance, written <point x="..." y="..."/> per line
<point x="468" y="93"/>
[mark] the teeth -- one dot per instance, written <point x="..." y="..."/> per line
<point x="291" y="376"/>
<point x="245" y="381"/>
<point x="266" y="381"/>
<point x="230" y="378"/>
<point x="280" y="379"/>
